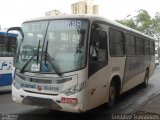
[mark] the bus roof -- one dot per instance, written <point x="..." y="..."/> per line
<point x="91" y="18"/>
<point x="10" y="34"/>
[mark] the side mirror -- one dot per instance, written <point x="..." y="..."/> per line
<point x="18" y="29"/>
<point x="15" y="29"/>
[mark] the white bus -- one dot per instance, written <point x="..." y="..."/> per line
<point x="76" y="63"/>
<point x="7" y="51"/>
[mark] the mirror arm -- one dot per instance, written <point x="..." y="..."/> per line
<point x="15" y="28"/>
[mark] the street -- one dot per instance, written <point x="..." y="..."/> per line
<point x="129" y="103"/>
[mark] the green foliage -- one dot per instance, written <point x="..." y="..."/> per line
<point x="128" y="22"/>
<point x="144" y="23"/>
<point x="156" y="25"/>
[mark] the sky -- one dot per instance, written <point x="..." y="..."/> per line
<point x="14" y="12"/>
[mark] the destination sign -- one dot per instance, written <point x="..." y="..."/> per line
<point x="55" y="25"/>
<point x="38" y="27"/>
<point x="65" y="25"/>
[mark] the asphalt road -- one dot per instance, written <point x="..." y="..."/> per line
<point x="128" y="103"/>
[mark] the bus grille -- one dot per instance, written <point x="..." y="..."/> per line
<point x="40" y="93"/>
<point x="44" y="102"/>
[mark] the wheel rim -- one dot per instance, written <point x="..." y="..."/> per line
<point x="112" y="93"/>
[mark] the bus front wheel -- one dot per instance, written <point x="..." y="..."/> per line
<point x="112" y="95"/>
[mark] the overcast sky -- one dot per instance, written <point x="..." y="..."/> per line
<point x="14" y="12"/>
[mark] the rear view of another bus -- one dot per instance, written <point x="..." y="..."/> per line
<point x="7" y="51"/>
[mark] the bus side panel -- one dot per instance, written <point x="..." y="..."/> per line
<point x="6" y="71"/>
<point x="5" y="79"/>
<point x="98" y="83"/>
<point x="96" y="87"/>
<point x="134" y="72"/>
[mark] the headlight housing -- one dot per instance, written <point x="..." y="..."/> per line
<point x="16" y="85"/>
<point x="74" y="89"/>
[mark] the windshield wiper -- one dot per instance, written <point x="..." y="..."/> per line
<point x="50" y="61"/>
<point x="38" y="52"/>
<point x="35" y="54"/>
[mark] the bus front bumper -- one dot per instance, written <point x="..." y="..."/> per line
<point x="46" y="101"/>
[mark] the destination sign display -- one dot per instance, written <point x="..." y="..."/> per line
<point x="55" y="25"/>
<point x="65" y="25"/>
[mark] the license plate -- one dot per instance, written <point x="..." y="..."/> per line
<point x="69" y="100"/>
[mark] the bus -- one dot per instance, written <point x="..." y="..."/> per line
<point x="76" y="63"/>
<point x="7" y="51"/>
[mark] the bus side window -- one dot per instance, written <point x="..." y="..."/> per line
<point x="98" y="50"/>
<point x="116" y="41"/>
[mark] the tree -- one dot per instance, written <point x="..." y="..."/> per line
<point x="128" y="22"/>
<point x="156" y="25"/>
<point x="144" y="23"/>
<point x="141" y="22"/>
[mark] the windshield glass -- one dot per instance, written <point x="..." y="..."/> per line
<point x="64" y="41"/>
<point x="34" y="34"/>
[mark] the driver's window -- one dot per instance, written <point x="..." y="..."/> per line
<point x="98" y="48"/>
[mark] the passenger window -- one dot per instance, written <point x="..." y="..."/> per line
<point x="116" y="40"/>
<point x="130" y="45"/>
<point x="152" y="48"/>
<point x="147" y="47"/>
<point x="139" y="46"/>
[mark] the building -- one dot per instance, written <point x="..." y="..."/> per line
<point x="95" y="9"/>
<point x="54" y="13"/>
<point x="84" y="7"/>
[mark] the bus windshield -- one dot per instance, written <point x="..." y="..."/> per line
<point x="58" y="43"/>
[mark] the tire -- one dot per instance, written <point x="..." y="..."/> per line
<point x="112" y="95"/>
<point x="146" y="78"/>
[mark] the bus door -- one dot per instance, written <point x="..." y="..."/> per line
<point x="97" y="65"/>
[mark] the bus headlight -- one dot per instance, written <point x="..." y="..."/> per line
<point x="16" y="84"/>
<point x="74" y="89"/>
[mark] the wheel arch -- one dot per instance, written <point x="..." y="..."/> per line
<point x="117" y="81"/>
